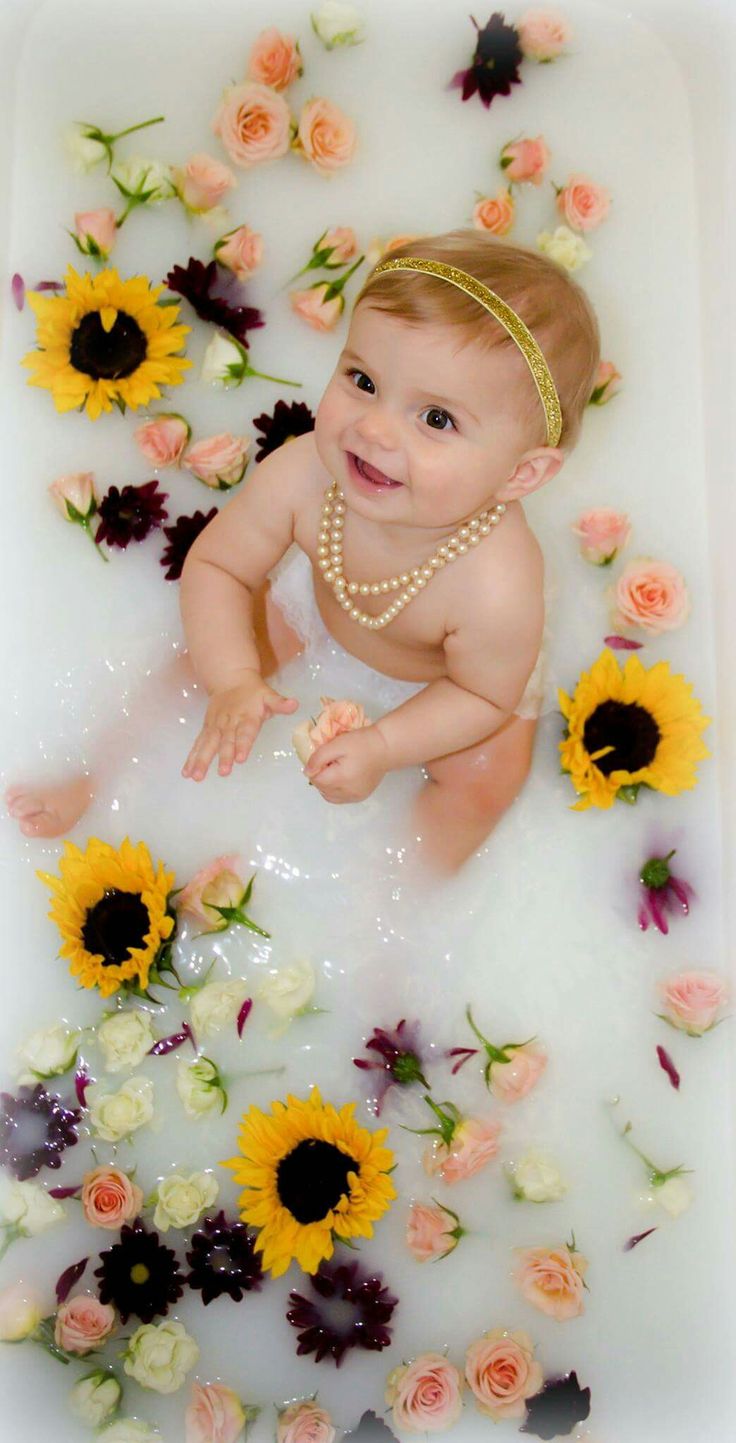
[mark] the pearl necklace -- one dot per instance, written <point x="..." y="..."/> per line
<point x="409" y="583"/>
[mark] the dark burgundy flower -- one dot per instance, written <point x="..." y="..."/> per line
<point x="321" y="1320"/>
<point x="375" y="1429"/>
<point x="215" y="295"/>
<point x="558" y="1408"/>
<point x="129" y="514"/>
<point x="139" y="1274"/>
<point x="400" y="1061"/>
<point x="663" y="893"/>
<point x="495" y="64"/>
<point x="287" y="421"/>
<point x="223" y="1260"/>
<point x="181" y="537"/>
<point x="35" y="1128"/>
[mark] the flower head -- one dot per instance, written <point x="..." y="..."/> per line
<point x="606" y="384"/>
<point x="48" y="1053"/>
<point x="217" y="896"/>
<point x="692" y="1001"/>
<point x="96" y="1397"/>
<point x="565" y="247"/>
<point x="180" y="538"/>
<point x="495" y="64"/>
<point x="338" y="23"/>
<point x="552" y="1280"/>
<point x="601" y="534"/>
<point x="219" y="461"/>
<point x="432" y="1233"/>
<point x="181" y="1199"/>
<point x="159" y="1356"/>
<point x="109" y="1198"/>
<point x="289" y="419"/>
<point x="83" y="1324"/>
<point x="327" y="1335"/>
<point x="662" y="893"/>
<point x="557" y="1408"/>
<point x="398" y="1059"/>
<point x="274" y="59"/>
<point x="304" y="1422"/>
<point x="223" y="1260"/>
<point x="139" y="1274"/>
<point x="130" y="514"/>
<point x="215" y="1414"/>
<point x="525" y="161"/>
<point x="21" y="1311"/>
<point x="502" y="1374"/>
<point x="124" y="1039"/>
<point x="200" y="1088"/>
<point x="543" y="34"/>
<point x="115" y="1115"/>
<point x="215" y="297"/>
<point x="35" y="1129"/>
<point x="425" y="1395"/>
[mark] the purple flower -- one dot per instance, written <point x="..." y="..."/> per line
<point x="557" y="1408"/>
<point x="400" y="1060"/>
<point x="495" y="64"/>
<point x="663" y="893"/>
<point x="212" y="293"/>
<point x="139" y="1274"/>
<point x="35" y="1128"/>
<point x="181" y="537"/>
<point x="128" y="515"/>
<point x="223" y="1260"/>
<point x="324" y="1328"/>
<point x="287" y="421"/>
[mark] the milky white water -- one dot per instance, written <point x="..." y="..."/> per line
<point x="539" y="932"/>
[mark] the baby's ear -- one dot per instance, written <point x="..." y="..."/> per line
<point x="534" y="470"/>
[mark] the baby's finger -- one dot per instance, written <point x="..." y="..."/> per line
<point x="275" y="702"/>
<point x="227" y="754"/>
<point x="328" y="754"/>
<point x="245" y="735"/>
<point x="202" y="753"/>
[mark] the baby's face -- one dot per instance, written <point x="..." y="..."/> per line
<point x="434" y="427"/>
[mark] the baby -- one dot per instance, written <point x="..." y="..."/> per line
<point x="443" y="413"/>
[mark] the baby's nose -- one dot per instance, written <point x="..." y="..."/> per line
<point x="380" y="427"/>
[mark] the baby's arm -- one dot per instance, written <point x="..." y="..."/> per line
<point x="227" y="563"/>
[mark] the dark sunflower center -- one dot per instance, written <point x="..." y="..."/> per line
<point x="112" y="354"/>
<point x="626" y="727"/>
<point x="312" y="1178"/>
<point x="117" y="923"/>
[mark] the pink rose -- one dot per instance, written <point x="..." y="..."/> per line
<point x="474" y="1143"/>
<point x="314" y="307"/>
<point x="274" y="59"/>
<point x="582" y="203"/>
<point x="509" y="1081"/>
<point x="543" y="34"/>
<point x="253" y="123"/>
<point x="304" y="1423"/>
<point x="96" y="231"/>
<point x="342" y="242"/>
<point x="325" y="136"/>
<point x="202" y="182"/>
<point x="219" y="461"/>
<point x="501" y="1373"/>
<point x="109" y="1198"/>
<point x="552" y="1280"/>
<point x="215" y="1414"/>
<point x="431" y="1232"/>
<point x="606" y="383"/>
<point x="692" y="1000"/>
<point x="241" y="251"/>
<point x="335" y="718"/>
<point x="393" y="243"/>
<point x="426" y="1395"/>
<point x="602" y="534"/>
<point x="650" y="594"/>
<point x="163" y="439"/>
<point x="83" y="1324"/>
<point x="495" y="214"/>
<point x="216" y="885"/>
<point x="76" y="490"/>
<point x="525" y="160"/>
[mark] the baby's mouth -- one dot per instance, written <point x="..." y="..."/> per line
<point x="371" y="473"/>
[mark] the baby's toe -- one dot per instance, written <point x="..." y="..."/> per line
<point x="23" y="803"/>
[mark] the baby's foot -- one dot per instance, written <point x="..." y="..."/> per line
<point x="47" y="811"/>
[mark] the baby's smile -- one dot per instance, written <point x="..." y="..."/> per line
<point x="368" y="478"/>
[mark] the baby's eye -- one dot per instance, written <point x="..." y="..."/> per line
<point x="436" y="418"/>
<point x="354" y="372"/>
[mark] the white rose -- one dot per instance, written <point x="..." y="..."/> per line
<point x="336" y="23"/>
<point x="129" y="1430"/>
<point x="217" y="1005"/>
<point x="675" y="1195"/>
<point x="114" y="1115"/>
<point x="83" y="152"/>
<point x="95" y="1397"/>
<point x="125" y="1039"/>
<point x="223" y="353"/>
<point x="20" y="1313"/>
<point x="536" y="1178"/>
<point x="27" y="1207"/>
<point x="563" y="246"/>
<point x="47" y="1053"/>
<point x="159" y="1356"/>
<point x="199" y="1087"/>
<point x="289" y="990"/>
<point x="141" y="174"/>
<point x="181" y="1200"/>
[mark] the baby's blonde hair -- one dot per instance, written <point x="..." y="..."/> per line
<point x="551" y="304"/>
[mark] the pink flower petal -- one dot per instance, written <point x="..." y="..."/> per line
<point x="244" y="1014"/>
<point x="18" y="289"/>
<point x="622" y="643"/>
<point x="665" y="1062"/>
<point x="82" y="1081"/>
<point x="62" y="1192"/>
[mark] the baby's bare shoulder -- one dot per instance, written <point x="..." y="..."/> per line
<point x="504" y="583"/>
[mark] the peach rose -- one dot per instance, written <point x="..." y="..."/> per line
<point x="274" y="59"/>
<point x="552" y="1280"/>
<point x="426" y="1395"/>
<point x="163" y="439"/>
<point x="606" y="383"/>
<point x="96" y="231"/>
<point x="394" y="241"/>
<point x="525" y="160"/>
<point x="692" y="1000"/>
<point x="335" y="718"/>
<point x="314" y="307"/>
<point x="215" y="1414"/>
<point x="543" y="34"/>
<point x="342" y="242"/>
<point x="253" y="123"/>
<point x="431" y="1232"/>
<point x="304" y="1423"/>
<point x="325" y="136"/>
<point x="77" y="490"/>
<point x="473" y="1145"/>
<point x="650" y="594"/>
<point x="83" y="1324"/>
<point x="202" y="182"/>
<point x="109" y="1198"/>
<point x="582" y="203"/>
<point x="217" y="884"/>
<point x="241" y="251"/>
<point x="501" y="1373"/>
<point x="219" y="461"/>
<point x="495" y="214"/>
<point x="602" y="534"/>
<point x="509" y="1081"/>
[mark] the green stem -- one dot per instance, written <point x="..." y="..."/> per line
<point x="88" y="529"/>
<point x="142" y="126"/>
<point x="280" y="381"/>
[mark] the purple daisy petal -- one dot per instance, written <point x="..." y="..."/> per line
<point x="244" y="1014"/>
<point x="17" y="286"/>
<point x="657" y="911"/>
<point x="622" y="643"/>
<point x="637" y="1238"/>
<point x="82" y="1081"/>
<point x="668" y="1066"/>
<point x="682" y="891"/>
<point x="175" y="1039"/>
<point x="69" y="1277"/>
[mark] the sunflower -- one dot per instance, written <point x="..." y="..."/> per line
<point x="309" y="1171"/>
<point x="630" y="728"/>
<point x="105" y="341"/>
<point x="111" y="908"/>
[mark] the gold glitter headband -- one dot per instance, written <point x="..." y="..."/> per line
<point x="508" y="319"/>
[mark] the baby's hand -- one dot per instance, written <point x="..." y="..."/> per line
<point x="349" y="768"/>
<point x="231" y="724"/>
